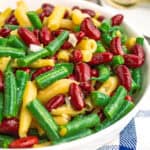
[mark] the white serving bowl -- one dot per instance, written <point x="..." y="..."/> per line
<point x="100" y="138"/>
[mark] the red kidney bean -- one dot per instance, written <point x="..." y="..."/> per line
<point x="12" y="20"/>
<point x="55" y="102"/>
<point x="25" y="142"/>
<point x="100" y="18"/>
<point x="66" y="15"/>
<point x="57" y="32"/>
<point x="138" y="50"/>
<point x="89" y="12"/>
<point x="77" y="98"/>
<point x="129" y="98"/>
<point x="1" y="81"/>
<point x="47" y="10"/>
<point x="66" y="45"/>
<point x="76" y="56"/>
<point x="133" y="61"/>
<point x="45" y="36"/>
<point x="47" y="6"/>
<point x="4" y="32"/>
<point x="94" y="73"/>
<point x="117" y="19"/>
<point x="45" y="13"/>
<point x="101" y="115"/>
<point x="72" y="77"/>
<point x="89" y="29"/>
<point x="116" y="47"/>
<point x="27" y="36"/>
<point x="83" y="72"/>
<point x="124" y="76"/>
<point x="37" y="33"/>
<point x="42" y="15"/>
<point x="75" y="7"/>
<point x="9" y="126"/>
<point x="41" y="71"/>
<point x="101" y="58"/>
<point x="80" y="35"/>
<point x="86" y="87"/>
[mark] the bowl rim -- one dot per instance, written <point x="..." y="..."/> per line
<point x="144" y="95"/>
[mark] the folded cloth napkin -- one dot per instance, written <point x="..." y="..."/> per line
<point x="136" y="135"/>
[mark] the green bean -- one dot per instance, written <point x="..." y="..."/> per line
<point x="35" y="20"/>
<point x="44" y="119"/>
<point x="69" y="66"/>
<point x="77" y="125"/>
<point x="140" y="40"/>
<point x="137" y="77"/>
<point x="14" y="41"/>
<point x="124" y="38"/>
<point x="126" y="107"/>
<point x="5" y="141"/>
<point x="99" y="99"/>
<point x="117" y="60"/>
<point x="115" y="102"/>
<point x="106" y="38"/>
<point x="104" y="73"/>
<point x="21" y="80"/>
<point x="134" y="87"/>
<point x="105" y="26"/>
<point x="50" y="50"/>
<point x="3" y="41"/>
<point x="9" y="94"/>
<point x="27" y="60"/>
<point x="76" y="28"/>
<point x="1" y="106"/>
<point x="57" y="43"/>
<point x="10" y="51"/>
<point x="79" y="135"/>
<point x="100" y="47"/>
<point x="49" y="77"/>
<point x="14" y="27"/>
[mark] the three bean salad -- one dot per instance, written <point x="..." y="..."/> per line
<point x="65" y="73"/>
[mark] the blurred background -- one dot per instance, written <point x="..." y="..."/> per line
<point x="137" y="12"/>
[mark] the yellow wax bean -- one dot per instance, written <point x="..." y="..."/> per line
<point x="42" y="63"/>
<point x="66" y="24"/>
<point x="14" y="32"/>
<point x="96" y="22"/>
<point x="4" y="15"/>
<point x="23" y="4"/>
<point x="63" y="55"/>
<point x="130" y="42"/>
<point x="37" y="64"/>
<point x="62" y="120"/>
<point x="78" y="16"/>
<point x="39" y="10"/>
<point x="55" y="18"/>
<point x="58" y="87"/>
<point x="87" y="44"/>
<point x="4" y="62"/>
<point x="89" y="106"/>
<point x="68" y="110"/>
<point x="109" y="85"/>
<point x="25" y="118"/>
<point x="21" y="17"/>
<point x="87" y="55"/>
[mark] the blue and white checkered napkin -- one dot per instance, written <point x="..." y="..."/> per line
<point x="136" y="135"/>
